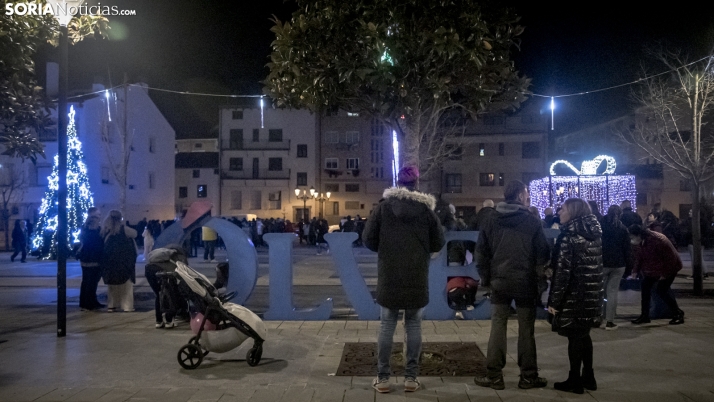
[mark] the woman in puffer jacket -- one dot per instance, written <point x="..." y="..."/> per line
<point x="576" y="295"/>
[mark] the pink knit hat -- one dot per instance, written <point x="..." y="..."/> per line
<point x="408" y="175"/>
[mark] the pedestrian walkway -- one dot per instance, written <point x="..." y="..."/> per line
<point x="121" y="357"/>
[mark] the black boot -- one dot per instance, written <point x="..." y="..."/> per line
<point x="588" y="380"/>
<point x="678" y="318"/>
<point x="643" y="319"/>
<point x="572" y="384"/>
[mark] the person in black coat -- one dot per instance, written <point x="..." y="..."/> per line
<point x="576" y="290"/>
<point x="90" y="255"/>
<point x="19" y="240"/>
<point x="510" y="247"/>
<point x="404" y="230"/>
<point x="629" y="217"/>
<point x="616" y="260"/>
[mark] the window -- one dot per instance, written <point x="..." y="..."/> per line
<point x="256" y="200"/>
<point x="302" y="151"/>
<point x="377" y="172"/>
<point x="237" y="115"/>
<point x="198" y="145"/>
<point x="274" y="201"/>
<point x="275" y="135"/>
<point x="377" y="128"/>
<point x="332" y="187"/>
<point x="332" y="137"/>
<point x="275" y="164"/>
<point x="352" y="137"/>
<point x="352" y="188"/>
<point x="500" y="179"/>
<point x="152" y="180"/>
<point x="685" y="185"/>
<point x="487" y="179"/>
<point x="202" y="191"/>
<point x="302" y="179"/>
<point x="453" y="182"/>
<point x="482" y="149"/>
<point x="236" y="199"/>
<point x="352" y="163"/>
<point x="501" y="149"/>
<point x="256" y="134"/>
<point x="493" y="120"/>
<point x="376" y="154"/>
<point x="183" y="192"/>
<point x="331" y="163"/>
<point x="236" y="139"/>
<point x="196" y="173"/>
<point x="236" y="164"/>
<point x="335" y="208"/>
<point x="531" y="150"/>
<point x="352" y="114"/>
<point x="152" y="145"/>
<point x="351" y="204"/>
<point x="106" y="174"/>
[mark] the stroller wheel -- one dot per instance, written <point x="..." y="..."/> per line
<point x="190" y="356"/>
<point x="194" y="341"/>
<point x="253" y="356"/>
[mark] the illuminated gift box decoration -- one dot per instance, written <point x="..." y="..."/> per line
<point x="605" y="189"/>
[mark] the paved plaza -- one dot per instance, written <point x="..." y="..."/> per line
<point x="122" y="357"/>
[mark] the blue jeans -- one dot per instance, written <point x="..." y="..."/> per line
<point x="388" y="324"/>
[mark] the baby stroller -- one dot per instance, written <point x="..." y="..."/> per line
<point x="234" y="323"/>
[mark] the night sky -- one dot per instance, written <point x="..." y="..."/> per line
<point x="223" y="46"/>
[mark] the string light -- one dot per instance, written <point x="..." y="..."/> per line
<point x="605" y="190"/>
<point x="588" y="167"/>
<point x="552" y="113"/>
<point x="395" y="161"/>
<point x="79" y="197"/>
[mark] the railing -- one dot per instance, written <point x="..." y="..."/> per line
<point x="262" y="145"/>
<point x="260" y="174"/>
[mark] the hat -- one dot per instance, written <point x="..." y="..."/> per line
<point x="408" y="175"/>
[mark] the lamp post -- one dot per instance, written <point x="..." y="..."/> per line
<point x="321" y="199"/>
<point x="304" y="195"/>
<point x="63" y="11"/>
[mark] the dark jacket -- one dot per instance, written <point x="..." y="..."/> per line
<point x="404" y="230"/>
<point x="576" y="288"/>
<point x="92" y="246"/>
<point x="510" y="246"/>
<point x="19" y="237"/>
<point x="616" y="248"/>
<point x="483" y="215"/>
<point x="630" y="217"/>
<point x="657" y="256"/>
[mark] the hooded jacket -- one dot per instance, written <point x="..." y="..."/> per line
<point x="404" y="230"/>
<point x="657" y="256"/>
<point x="510" y="246"/>
<point x="616" y="248"/>
<point x="576" y="289"/>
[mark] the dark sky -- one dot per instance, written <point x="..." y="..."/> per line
<point x="222" y="46"/>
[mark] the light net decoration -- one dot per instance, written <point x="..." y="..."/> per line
<point x="605" y="190"/>
<point x="79" y="198"/>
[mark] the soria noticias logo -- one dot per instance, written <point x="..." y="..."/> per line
<point x="63" y="9"/>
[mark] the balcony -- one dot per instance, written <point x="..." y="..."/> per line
<point x="262" y="145"/>
<point x="258" y="174"/>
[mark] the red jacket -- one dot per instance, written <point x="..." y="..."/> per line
<point x="657" y="256"/>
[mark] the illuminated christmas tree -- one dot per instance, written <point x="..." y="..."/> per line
<point x="79" y="198"/>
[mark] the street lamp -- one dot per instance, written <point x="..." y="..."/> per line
<point x="63" y="11"/>
<point x="321" y="199"/>
<point x="304" y="195"/>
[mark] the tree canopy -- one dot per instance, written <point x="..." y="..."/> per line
<point x="406" y="62"/>
<point x="24" y="107"/>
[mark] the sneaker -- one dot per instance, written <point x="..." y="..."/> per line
<point x="170" y="324"/>
<point x="411" y="384"/>
<point x="610" y="326"/>
<point x="111" y="310"/>
<point x="486" y="381"/>
<point x="382" y="386"/>
<point x="159" y="325"/>
<point x="534" y="382"/>
<point x="206" y="260"/>
<point x="678" y="318"/>
<point x="213" y="261"/>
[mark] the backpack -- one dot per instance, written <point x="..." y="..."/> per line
<point x="118" y="259"/>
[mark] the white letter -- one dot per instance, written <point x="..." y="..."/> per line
<point x="32" y="8"/>
<point x="19" y="7"/>
<point x="8" y="9"/>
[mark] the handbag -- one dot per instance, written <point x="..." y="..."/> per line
<point x="554" y="321"/>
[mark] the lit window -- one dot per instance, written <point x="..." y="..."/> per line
<point x="202" y="191"/>
<point x="481" y="149"/>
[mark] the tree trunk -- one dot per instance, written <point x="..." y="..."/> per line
<point x="696" y="242"/>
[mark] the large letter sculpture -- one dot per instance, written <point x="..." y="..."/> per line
<point x="280" y="258"/>
<point x="352" y="281"/>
